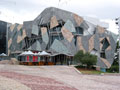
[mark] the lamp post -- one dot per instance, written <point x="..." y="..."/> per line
<point x="118" y="23"/>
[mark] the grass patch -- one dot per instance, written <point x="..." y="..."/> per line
<point x="84" y="70"/>
<point x="90" y="72"/>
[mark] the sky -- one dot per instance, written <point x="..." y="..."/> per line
<point x="17" y="11"/>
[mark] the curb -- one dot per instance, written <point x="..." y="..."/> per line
<point x="76" y="70"/>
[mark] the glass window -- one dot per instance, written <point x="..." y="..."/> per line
<point x="79" y="30"/>
<point x="102" y="54"/>
<point x="105" y="44"/>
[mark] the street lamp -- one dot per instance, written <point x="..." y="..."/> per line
<point x="118" y="23"/>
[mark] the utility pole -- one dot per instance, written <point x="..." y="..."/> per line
<point x="118" y="23"/>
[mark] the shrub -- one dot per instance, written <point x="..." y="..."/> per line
<point x="78" y="56"/>
<point x="89" y="60"/>
<point x="86" y="59"/>
<point x="113" y="68"/>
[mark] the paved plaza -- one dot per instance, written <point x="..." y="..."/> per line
<point x="19" y="77"/>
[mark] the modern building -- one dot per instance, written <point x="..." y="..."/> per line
<point x="62" y="34"/>
<point x="3" y="38"/>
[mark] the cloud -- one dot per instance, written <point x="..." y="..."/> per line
<point x="24" y="10"/>
<point x="13" y="17"/>
<point x="112" y="26"/>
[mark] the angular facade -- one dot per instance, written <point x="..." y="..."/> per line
<point x="62" y="32"/>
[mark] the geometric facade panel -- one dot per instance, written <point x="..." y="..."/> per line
<point x="96" y="42"/>
<point x="35" y="29"/>
<point x="79" y="43"/>
<point x="100" y="63"/>
<point x="24" y="34"/>
<point x="9" y="42"/>
<point x="53" y="22"/>
<point x="59" y="47"/>
<point x="69" y="26"/>
<point x="108" y="48"/>
<point x="12" y="27"/>
<point x="44" y="35"/>
<point x="91" y="43"/>
<point x="67" y="34"/>
<point x="106" y="62"/>
<point x="85" y="42"/>
<point x="70" y="46"/>
<point x="43" y="30"/>
<point x="100" y="29"/>
<point x="78" y="19"/>
<point x="95" y="52"/>
<point x="35" y="46"/>
<point x="19" y="27"/>
<point x="19" y="39"/>
<point x="45" y="38"/>
<point x="108" y="39"/>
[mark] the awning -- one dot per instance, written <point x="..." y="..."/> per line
<point x="43" y="53"/>
<point x="3" y="55"/>
<point x="26" y="53"/>
<point x="61" y="53"/>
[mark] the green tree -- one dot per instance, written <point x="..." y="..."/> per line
<point x="78" y="56"/>
<point x="85" y="58"/>
<point x="89" y="60"/>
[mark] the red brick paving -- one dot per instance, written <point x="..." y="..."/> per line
<point x="37" y="82"/>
